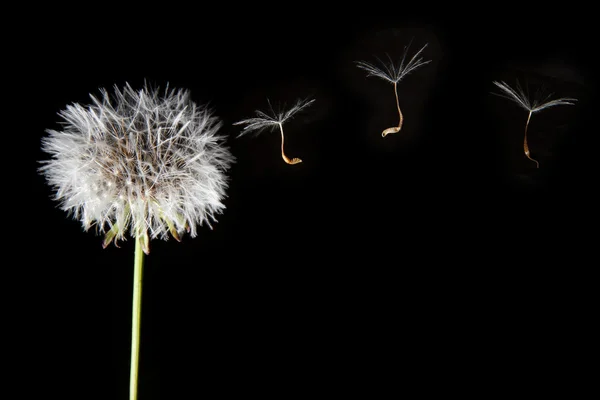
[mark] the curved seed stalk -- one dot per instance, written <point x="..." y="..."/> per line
<point x="285" y="158"/>
<point x="395" y="129"/>
<point x="525" y="146"/>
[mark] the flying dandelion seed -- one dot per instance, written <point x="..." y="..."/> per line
<point x="394" y="73"/>
<point x="519" y="96"/>
<point x="265" y="121"/>
<point x="140" y="163"/>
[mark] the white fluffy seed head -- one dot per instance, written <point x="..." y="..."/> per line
<point x="142" y="162"/>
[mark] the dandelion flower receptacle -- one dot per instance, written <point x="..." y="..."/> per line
<point x="537" y="103"/>
<point x="140" y="163"/>
<point x="273" y="120"/>
<point x="394" y="73"/>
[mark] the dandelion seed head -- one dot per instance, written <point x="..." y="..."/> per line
<point x="141" y="162"/>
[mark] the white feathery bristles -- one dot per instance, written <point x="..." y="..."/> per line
<point x="272" y="120"/>
<point x="391" y="72"/>
<point x="519" y="96"/>
<point x="138" y="162"/>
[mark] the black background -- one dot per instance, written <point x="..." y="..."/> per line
<point x="440" y="248"/>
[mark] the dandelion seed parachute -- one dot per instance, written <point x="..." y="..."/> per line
<point x="264" y="121"/>
<point x="394" y="73"/>
<point x="532" y="106"/>
<point x="142" y="162"/>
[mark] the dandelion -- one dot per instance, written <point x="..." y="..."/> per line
<point x="265" y="121"/>
<point x="394" y="73"/>
<point x="537" y="104"/>
<point x="138" y="163"/>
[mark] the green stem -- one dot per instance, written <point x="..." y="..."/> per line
<point x="136" y="317"/>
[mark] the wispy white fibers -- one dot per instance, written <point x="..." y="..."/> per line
<point x="145" y="161"/>
<point x="274" y="119"/>
<point x="534" y="104"/>
<point x="394" y="72"/>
